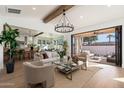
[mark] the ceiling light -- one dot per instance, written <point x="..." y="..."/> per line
<point x="109" y="5"/>
<point x="34" y="8"/>
<point x="81" y="17"/>
<point x="64" y="25"/>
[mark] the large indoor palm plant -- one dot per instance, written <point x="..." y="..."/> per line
<point x="8" y="37"/>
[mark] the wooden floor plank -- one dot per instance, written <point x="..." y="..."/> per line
<point x="108" y="77"/>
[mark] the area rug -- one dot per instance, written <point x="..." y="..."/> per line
<point x="79" y="78"/>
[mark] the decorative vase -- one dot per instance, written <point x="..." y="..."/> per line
<point x="61" y="59"/>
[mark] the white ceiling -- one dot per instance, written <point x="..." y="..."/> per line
<point x="27" y="11"/>
<point x="86" y="15"/>
<point x="80" y="16"/>
<point x="25" y="31"/>
<point x="31" y="32"/>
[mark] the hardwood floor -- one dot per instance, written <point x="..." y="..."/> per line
<point x="108" y="77"/>
<point x="15" y="79"/>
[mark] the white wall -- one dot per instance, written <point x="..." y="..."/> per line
<point x="1" y="49"/>
<point x="100" y="26"/>
<point x="1" y="57"/>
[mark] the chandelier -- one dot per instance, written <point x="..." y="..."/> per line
<point x="64" y="25"/>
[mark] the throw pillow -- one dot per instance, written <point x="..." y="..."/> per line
<point x="75" y="59"/>
<point x="45" y="56"/>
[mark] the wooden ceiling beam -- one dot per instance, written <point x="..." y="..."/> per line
<point x="38" y="34"/>
<point x="56" y="13"/>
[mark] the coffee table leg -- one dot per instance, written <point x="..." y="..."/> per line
<point x="84" y="66"/>
<point x="69" y="76"/>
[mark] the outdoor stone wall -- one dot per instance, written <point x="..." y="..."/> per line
<point x="100" y="50"/>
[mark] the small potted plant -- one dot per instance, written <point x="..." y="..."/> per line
<point x="61" y="55"/>
<point x="65" y="47"/>
<point x="8" y="37"/>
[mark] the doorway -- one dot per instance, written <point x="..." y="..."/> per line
<point x="106" y="52"/>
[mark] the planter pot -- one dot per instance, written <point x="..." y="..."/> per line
<point x="10" y="67"/>
<point x="61" y="59"/>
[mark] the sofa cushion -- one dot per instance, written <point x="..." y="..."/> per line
<point x="49" y="54"/>
<point x="38" y="56"/>
<point x="45" y="56"/>
<point x="75" y="59"/>
<point x="86" y="51"/>
<point x="34" y="63"/>
<point x="38" y="63"/>
<point x="55" y="54"/>
<point x="50" y="60"/>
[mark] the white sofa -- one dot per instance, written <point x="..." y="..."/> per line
<point x="52" y="57"/>
<point x="37" y="72"/>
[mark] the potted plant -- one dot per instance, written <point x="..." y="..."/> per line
<point x="65" y="46"/>
<point x="61" y="55"/>
<point x="8" y="37"/>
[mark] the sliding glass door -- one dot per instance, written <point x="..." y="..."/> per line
<point x="105" y="42"/>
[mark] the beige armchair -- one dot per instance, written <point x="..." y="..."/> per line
<point x="83" y="59"/>
<point x="36" y="72"/>
<point x="80" y="61"/>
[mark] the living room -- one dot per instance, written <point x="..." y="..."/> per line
<point x="32" y="18"/>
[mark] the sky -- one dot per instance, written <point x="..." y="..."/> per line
<point x="103" y="38"/>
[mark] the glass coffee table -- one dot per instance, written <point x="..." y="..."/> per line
<point x="66" y="68"/>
